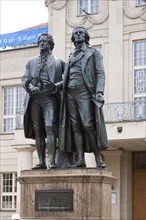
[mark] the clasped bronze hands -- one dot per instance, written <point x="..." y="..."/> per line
<point x="37" y="85"/>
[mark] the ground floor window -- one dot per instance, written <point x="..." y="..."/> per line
<point x="8" y="191"/>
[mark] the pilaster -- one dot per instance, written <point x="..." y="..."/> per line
<point x="115" y="69"/>
<point x="24" y="161"/>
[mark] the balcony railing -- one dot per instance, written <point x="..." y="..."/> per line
<point x="125" y="111"/>
<point x="113" y="112"/>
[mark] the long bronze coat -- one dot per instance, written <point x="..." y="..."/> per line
<point x="94" y="78"/>
<point x="55" y="68"/>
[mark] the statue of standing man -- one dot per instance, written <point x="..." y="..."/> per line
<point x="41" y="117"/>
<point x="82" y="126"/>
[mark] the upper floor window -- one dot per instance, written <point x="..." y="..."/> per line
<point x="139" y="51"/>
<point x="140" y="2"/>
<point x="140" y="107"/>
<point x="8" y="191"/>
<point x="139" y="78"/>
<point x="13" y="98"/>
<point x="88" y="6"/>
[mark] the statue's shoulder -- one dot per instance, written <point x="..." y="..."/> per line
<point x="32" y="59"/>
<point x="90" y="50"/>
<point x="60" y="63"/>
<point x="96" y="51"/>
<point x="58" y="59"/>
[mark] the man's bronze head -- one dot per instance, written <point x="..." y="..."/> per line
<point x="87" y="37"/>
<point x="50" y="40"/>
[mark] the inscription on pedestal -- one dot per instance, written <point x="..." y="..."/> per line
<point x="54" y="200"/>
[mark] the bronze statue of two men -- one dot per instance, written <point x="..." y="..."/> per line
<point x="66" y="112"/>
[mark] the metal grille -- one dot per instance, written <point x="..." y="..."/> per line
<point x="125" y="111"/>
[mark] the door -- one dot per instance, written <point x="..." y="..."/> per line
<point x="139" y="186"/>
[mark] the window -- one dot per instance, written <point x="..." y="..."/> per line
<point x="139" y="72"/>
<point x="140" y="53"/>
<point x="140" y="2"/>
<point x="139" y="77"/>
<point x="8" y="191"/>
<point x="89" y="6"/>
<point x="140" y="108"/>
<point x="13" y="103"/>
<point x="139" y="81"/>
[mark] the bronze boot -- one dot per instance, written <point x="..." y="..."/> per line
<point x="94" y="147"/>
<point x="51" y="145"/>
<point x="41" y="150"/>
<point x="80" y="151"/>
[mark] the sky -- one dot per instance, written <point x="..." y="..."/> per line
<point x="16" y="15"/>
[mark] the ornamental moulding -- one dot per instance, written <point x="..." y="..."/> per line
<point x="58" y="4"/>
<point x="88" y="20"/>
<point x="134" y="12"/>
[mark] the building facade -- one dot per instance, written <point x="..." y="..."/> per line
<point x="118" y="29"/>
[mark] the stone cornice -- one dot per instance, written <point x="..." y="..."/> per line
<point x="134" y="28"/>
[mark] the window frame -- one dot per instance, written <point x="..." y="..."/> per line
<point x="136" y="68"/>
<point x="5" y="205"/>
<point x="89" y="11"/>
<point x="138" y="4"/>
<point x="15" y="108"/>
<point x="139" y="97"/>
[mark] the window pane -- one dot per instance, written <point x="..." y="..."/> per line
<point x="94" y="6"/>
<point x="140" y="107"/>
<point x="9" y="190"/>
<point x="7" y="202"/>
<point x="20" y="93"/>
<point x="8" y="125"/>
<point x="13" y="103"/>
<point x="140" y="2"/>
<point x="89" y="6"/>
<point x="15" y="202"/>
<point x="140" y="53"/>
<point x="15" y="183"/>
<point x="83" y="6"/>
<point x="8" y="101"/>
<point x="7" y="182"/>
<point x="139" y="81"/>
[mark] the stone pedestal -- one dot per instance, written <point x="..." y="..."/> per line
<point x="65" y="194"/>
